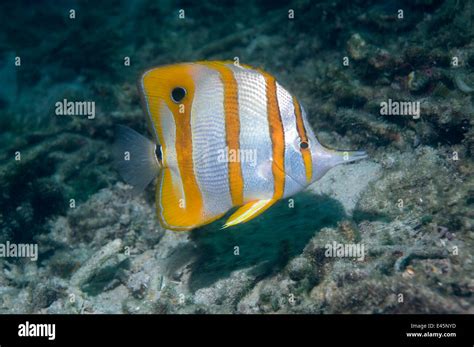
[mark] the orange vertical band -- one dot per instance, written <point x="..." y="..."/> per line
<point x="278" y="137"/>
<point x="232" y="127"/>
<point x="305" y="152"/>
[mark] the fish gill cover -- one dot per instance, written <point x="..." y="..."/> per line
<point x="391" y="234"/>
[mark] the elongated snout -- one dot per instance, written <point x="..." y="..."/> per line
<point x="325" y="159"/>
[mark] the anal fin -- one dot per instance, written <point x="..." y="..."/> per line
<point x="176" y="211"/>
<point x="248" y="212"/>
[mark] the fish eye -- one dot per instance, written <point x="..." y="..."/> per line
<point x="304" y="144"/>
<point x="178" y="94"/>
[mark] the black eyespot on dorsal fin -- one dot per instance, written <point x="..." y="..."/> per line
<point x="304" y="144"/>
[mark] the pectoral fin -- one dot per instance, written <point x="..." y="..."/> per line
<point x="135" y="158"/>
<point x="248" y="212"/>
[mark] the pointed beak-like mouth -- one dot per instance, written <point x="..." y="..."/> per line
<point x="351" y="156"/>
<point x="334" y="157"/>
<point x="326" y="158"/>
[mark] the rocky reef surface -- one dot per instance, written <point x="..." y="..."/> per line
<point x="101" y="249"/>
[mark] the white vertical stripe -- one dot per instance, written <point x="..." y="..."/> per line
<point x="208" y="130"/>
<point x="294" y="164"/>
<point x="170" y="158"/>
<point x="254" y="133"/>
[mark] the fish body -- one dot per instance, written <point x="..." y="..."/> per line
<point x="225" y="136"/>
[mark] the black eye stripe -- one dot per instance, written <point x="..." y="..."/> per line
<point x="178" y="94"/>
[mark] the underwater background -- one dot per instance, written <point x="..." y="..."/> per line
<point x="102" y="250"/>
